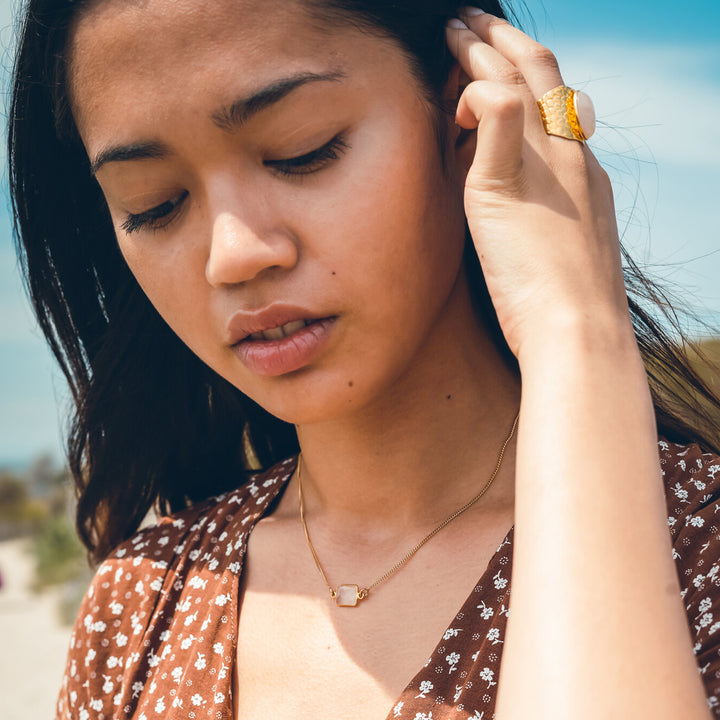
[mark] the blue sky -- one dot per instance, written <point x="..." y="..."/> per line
<point x="653" y="70"/>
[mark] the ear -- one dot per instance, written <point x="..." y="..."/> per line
<point x="463" y="141"/>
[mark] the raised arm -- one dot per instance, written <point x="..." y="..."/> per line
<point x="597" y="628"/>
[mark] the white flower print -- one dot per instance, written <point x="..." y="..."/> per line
<point x="423" y="716"/>
<point x="219" y="698"/>
<point x="156" y="585"/>
<point x="487" y="675"/>
<point x="200" y="663"/>
<point x="499" y="581"/>
<point x="425" y="687"/>
<point x="160" y="705"/>
<point x="196" y="699"/>
<point x="706" y="619"/>
<point x="494" y="636"/>
<point x="397" y="710"/>
<point x="486" y="612"/>
<point x="451" y="632"/>
<point x="452" y="661"/>
<point x="218" y="648"/>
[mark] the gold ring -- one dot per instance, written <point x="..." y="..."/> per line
<point x="567" y="113"/>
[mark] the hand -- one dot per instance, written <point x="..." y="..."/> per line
<point x="539" y="207"/>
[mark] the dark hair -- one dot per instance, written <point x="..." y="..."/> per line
<point x="153" y="425"/>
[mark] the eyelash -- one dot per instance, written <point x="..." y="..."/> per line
<point x="155" y="218"/>
<point x="158" y="217"/>
<point x="310" y="162"/>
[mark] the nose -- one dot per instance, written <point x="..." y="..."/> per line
<point x="241" y="251"/>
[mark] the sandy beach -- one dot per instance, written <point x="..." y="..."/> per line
<point x="33" y="643"/>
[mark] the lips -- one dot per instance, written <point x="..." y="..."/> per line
<point x="278" y="339"/>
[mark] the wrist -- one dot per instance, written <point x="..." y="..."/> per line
<point x="571" y="336"/>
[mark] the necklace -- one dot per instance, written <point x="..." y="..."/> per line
<point x="349" y="595"/>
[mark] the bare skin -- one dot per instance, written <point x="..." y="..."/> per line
<point x="401" y="416"/>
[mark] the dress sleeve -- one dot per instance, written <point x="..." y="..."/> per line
<point x="112" y="624"/>
<point x="692" y="481"/>
<point x="97" y="650"/>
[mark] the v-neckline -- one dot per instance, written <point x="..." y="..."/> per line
<point x="468" y="607"/>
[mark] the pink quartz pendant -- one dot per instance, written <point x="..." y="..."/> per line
<point x="347" y="595"/>
<point x="585" y="113"/>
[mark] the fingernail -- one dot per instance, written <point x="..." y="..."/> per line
<point x="472" y="11"/>
<point x="455" y="23"/>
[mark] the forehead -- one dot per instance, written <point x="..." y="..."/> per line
<point x="136" y="53"/>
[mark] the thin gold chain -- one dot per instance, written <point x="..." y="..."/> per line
<point x="363" y="593"/>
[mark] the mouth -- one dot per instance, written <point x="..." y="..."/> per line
<point x="285" y="348"/>
<point x="278" y="333"/>
<point x="281" y="331"/>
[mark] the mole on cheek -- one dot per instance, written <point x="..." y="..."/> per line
<point x="350" y="383"/>
<point x="448" y="397"/>
<point x="333" y="272"/>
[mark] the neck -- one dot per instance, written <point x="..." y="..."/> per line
<point x="423" y="449"/>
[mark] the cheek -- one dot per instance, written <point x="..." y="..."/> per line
<point x="173" y="280"/>
<point x="407" y="234"/>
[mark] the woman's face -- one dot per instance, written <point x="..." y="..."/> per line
<point x="276" y="188"/>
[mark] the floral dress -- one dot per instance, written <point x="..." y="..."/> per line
<point x="156" y="633"/>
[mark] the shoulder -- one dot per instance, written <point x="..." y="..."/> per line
<point x="164" y="581"/>
<point x="191" y="530"/>
<point x="692" y="483"/>
<point x="692" y="489"/>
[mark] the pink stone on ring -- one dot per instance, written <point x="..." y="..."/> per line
<point x="585" y="113"/>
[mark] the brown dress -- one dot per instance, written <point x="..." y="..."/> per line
<point x="155" y="636"/>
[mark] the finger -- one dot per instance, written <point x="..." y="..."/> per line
<point x="534" y="61"/>
<point x="482" y="62"/>
<point x="479" y="60"/>
<point x="499" y="115"/>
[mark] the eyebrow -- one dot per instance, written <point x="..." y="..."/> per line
<point x="135" y="151"/>
<point x="228" y="118"/>
<point x="233" y="116"/>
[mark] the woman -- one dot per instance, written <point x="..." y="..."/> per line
<point x="301" y="191"/>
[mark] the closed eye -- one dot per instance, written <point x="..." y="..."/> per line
<point x="154" y="218"/>
<point x="310" y="162"/>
